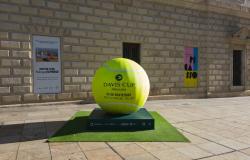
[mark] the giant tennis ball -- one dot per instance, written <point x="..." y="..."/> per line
<point x="120" y="86"/>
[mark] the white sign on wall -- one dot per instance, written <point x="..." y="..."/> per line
<point x="46" y="64"/>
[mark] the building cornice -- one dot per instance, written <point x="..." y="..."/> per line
<point x="209" y="6"/>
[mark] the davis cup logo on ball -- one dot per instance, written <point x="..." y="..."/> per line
<point x="120" y="86"/>
<point x="118" y="77"/>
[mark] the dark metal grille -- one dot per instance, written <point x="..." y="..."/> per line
<point x="132" y="51"/>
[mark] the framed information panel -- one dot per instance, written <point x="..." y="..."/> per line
<point x="46" y="64"/>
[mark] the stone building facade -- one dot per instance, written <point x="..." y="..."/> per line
<point x="94" y="31"/>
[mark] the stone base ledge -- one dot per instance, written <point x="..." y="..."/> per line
<point x="42" y="103"/>
<point x="170" y="97"/>
<point x="150" y="98"/>
<point x="228" y="94"/>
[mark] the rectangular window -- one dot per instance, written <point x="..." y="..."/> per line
<point x="132" y="51"/>
<point x="237" y="67"/>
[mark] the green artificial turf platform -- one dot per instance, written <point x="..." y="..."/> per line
<point x="75" y="131"/>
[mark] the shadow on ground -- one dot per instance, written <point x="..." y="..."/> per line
<point x="23" y="132"/>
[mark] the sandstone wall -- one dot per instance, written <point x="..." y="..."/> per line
<point x="92" y="31"/>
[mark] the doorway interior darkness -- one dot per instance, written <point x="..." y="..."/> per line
<point x="237" y="68"/>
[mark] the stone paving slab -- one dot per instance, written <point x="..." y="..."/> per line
<point x="102" y="154"/>
<point x="218" y="129"/>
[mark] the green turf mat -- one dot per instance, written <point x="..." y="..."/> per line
<point x="75" y="131"/>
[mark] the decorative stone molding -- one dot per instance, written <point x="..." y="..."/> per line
<point x="243" y="34"/>
<point x="240" y="40"/>
<point x="241" y="37"/>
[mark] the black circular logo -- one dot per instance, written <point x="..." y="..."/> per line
<point x="118" y="77"/>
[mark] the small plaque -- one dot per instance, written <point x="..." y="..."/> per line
<point x="99" y="120"/>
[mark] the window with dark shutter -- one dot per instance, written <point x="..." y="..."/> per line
<point x="237" y="67"/>
<point x="132" y="51"/>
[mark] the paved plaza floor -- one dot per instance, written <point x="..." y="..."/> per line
<point x="219" y="129"/>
